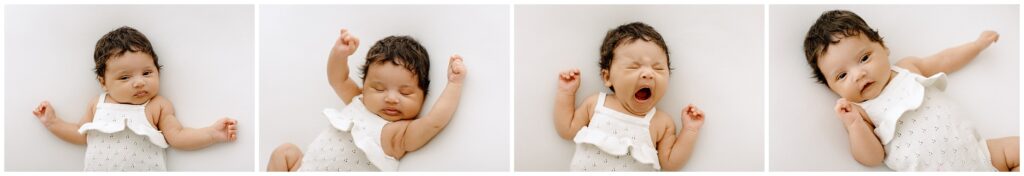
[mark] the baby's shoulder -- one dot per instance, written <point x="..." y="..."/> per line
<point x="662" y="119"/>
<point x="592" y="99"/>
<point x="910" y="63"/>
<point x="160" y="104"/>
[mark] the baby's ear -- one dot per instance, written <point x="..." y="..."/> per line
<point x="103" y="83"/>
<point x="606" y="77"/>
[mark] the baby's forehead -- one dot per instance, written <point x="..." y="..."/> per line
<point x="391" y="73"/>
<point x="130" y="60"/>
<point x="639" y="50"/>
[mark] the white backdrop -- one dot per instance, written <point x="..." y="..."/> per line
<point x="207" y="54"/>
<point x="295" y="42"/>
<point x="805" y="134"/>
<point x="717" y="52"/>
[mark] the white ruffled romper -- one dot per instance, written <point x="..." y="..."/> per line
<point x="112" y="148"/>
<point x="920" y="128"/>
<point x="353" y="143"/>
<point x="615" y="141"/>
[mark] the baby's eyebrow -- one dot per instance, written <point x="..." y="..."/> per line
<point x="120" y="72"/>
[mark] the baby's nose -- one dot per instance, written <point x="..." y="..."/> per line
<point x="859" y="74"/>
<point x="138" y="83"/>
<point x="391" y="98"/>
<point x="647" y="74"/>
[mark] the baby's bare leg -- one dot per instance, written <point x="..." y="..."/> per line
<point x="286" y="157"/>
<point x="1005" y="153"/>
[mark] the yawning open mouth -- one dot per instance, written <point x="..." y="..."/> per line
<point x="642" y="94"/>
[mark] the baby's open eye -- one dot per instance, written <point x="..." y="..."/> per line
<point x="865" y="58"/>
<point x="123" y="77"/>
<point x="147" y="73"/>
<point x="841" y="76"/>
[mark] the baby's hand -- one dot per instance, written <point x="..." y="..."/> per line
<point x="224" y="130"/>
<point x="569" y="80"/>
<point x="345" y="45"/>
<point x="44" y="112"/>
<point x="988" y="37"/>
<point x="693" y="118"/>
<point x="848" y="112"/>
<point x="456" y="70"/>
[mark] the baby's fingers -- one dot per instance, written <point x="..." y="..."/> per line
<point x="232" y="132"/>
<point x="570" y="74"/>
<point x="842" y="106"/>
<point x="230" y="128"/>
<point x="41" y="109"/>
<point x="456" y="64"/>
<point x="694" y="112"/>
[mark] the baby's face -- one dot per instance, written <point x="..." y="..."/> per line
<point x="856" y="68"/>
<point x="392" y="92"/>
<point x="639" y="73"/>
<point x="131" y="78"/>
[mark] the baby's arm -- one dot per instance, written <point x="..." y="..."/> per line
<point x="413" y="134"/>
<point x="673" y="150"/>
<point x="568" y="118"/>
<point x="337" y="66"/>
<point x="950" y="59"/>
<point x="864" y="145"/>
<point x="62" y="129"/>
<point x="190" y="138"/>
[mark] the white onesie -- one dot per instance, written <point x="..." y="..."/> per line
<point x="920" y="128"/>
<point x="112" y="148"/>
<point x="351" y="144"/>
<point x="615" y="141"/>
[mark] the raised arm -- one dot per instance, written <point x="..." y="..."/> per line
<point x="418" y="132"/>
<point x="190" y="138"/>
<point x="950" y="59"/>
<point x="568" y="118"/>
<point x="675" y="150"/>
<point x="337" y="67"/>
<point x="864" y="145"/>
<point x="64" y="130"/>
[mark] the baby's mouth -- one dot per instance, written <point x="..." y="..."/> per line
<point x="391" y="111"/>
<point x="643" y="94"/>
<point x="140" y="94"/>
<point x="866" y="86"/>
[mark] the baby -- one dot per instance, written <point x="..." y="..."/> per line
<point x="626" y="133"/>
<point x="381" y="122"/>
<point x="128" y="127"/>
<point x="898" y="114"/>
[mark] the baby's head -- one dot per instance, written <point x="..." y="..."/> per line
<point x="126" y="66"/>
<point x="634" y="60"/>
<point x="395" y="78"/>
<point x="847" y="56"/>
